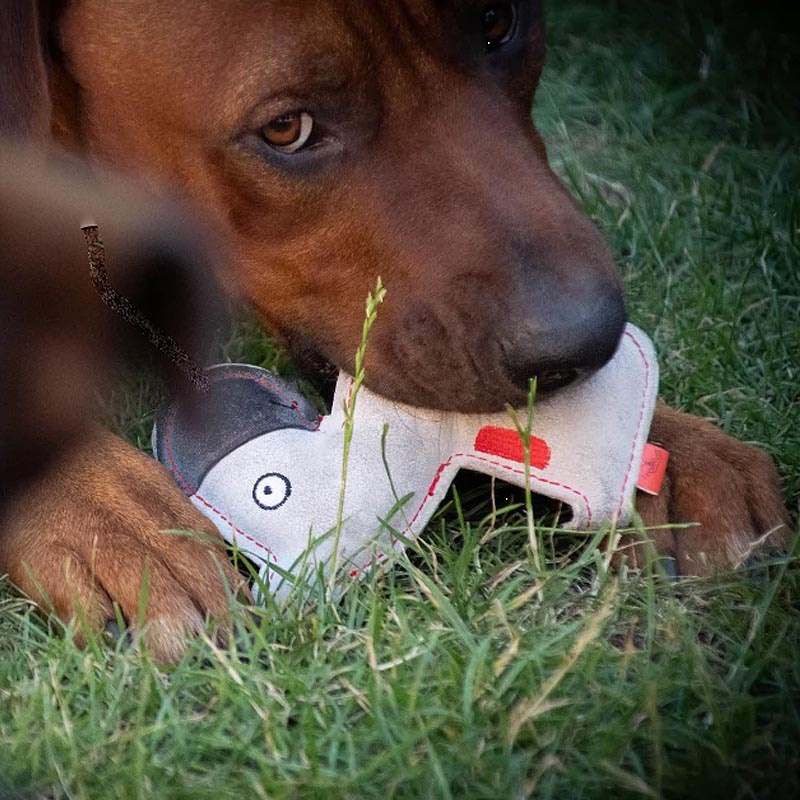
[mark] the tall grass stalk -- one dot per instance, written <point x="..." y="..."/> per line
<point x="525" y="431"/>
<point x="373" y="302"/>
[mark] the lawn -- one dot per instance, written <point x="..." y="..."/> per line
<point x="465" y="672"/>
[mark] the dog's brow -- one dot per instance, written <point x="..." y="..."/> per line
<point x="325" y="81"/>
<point x="319" y="78"/>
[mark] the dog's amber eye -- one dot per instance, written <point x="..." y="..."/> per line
<point x="499" y="24"/>
<point x="289" y="132"/>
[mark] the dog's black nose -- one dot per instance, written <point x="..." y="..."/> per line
<point x="564" y="339"/>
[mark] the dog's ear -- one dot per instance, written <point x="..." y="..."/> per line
<point x="24" y="96"/>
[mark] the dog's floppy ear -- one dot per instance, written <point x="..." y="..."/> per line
<point x="24" y="97"/>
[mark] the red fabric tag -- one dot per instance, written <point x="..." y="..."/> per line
<point x="506" y="443"/>
<point x="653" y="469"/>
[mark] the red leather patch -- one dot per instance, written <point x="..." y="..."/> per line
<point x="653" y="469"/>
<point x="507" y="443"/>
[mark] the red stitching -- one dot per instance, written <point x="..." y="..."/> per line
<point x="534" y="479"/>
<point x="439" y="472"/>
<point x="184" y="483"/>
<point x="641" y="419"/>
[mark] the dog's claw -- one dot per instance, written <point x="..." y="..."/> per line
<point x="765" y="558"/>
<point x="670" y="567"/>
<point x="112" y="632"/>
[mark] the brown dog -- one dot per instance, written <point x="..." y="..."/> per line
<point x="334" y="141"/>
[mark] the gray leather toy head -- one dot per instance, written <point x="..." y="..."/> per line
<point x="241" y="403"/>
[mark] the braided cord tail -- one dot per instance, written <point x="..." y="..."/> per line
<point x="122" y="306"/>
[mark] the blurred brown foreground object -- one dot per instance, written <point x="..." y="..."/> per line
<point x="58" y="341"/>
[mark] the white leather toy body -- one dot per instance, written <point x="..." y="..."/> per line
<point x="276" y="493"/>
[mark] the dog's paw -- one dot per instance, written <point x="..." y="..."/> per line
<point x="97" y="532"/>
<point x="729" y="493"/>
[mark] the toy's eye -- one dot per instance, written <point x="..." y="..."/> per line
<point x="272" y="491"/>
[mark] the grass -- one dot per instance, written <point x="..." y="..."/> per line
<point x="465" y="672"/>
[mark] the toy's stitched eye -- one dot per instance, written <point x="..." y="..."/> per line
<point x="272" y="491"/>
<point x="499" y="24"/>
<point x="289" y="132"/>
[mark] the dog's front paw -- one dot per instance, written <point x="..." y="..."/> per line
<point x="730" y="490"/>
<point x="95" y="533"/>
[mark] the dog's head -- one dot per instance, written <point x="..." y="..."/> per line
<point x="336" y="141"/>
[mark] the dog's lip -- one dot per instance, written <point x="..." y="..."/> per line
<point x="552" y="380"/>
<point x="496" y="397"/>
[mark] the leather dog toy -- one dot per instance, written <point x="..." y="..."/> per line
<point x="260" y="462"/>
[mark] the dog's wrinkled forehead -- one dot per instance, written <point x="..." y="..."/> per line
<point x="234" y="52"/>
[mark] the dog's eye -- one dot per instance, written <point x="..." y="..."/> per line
<point x="271" y="491"/>
<point x="289" y="132"/>
<point x="499" y="24"/>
